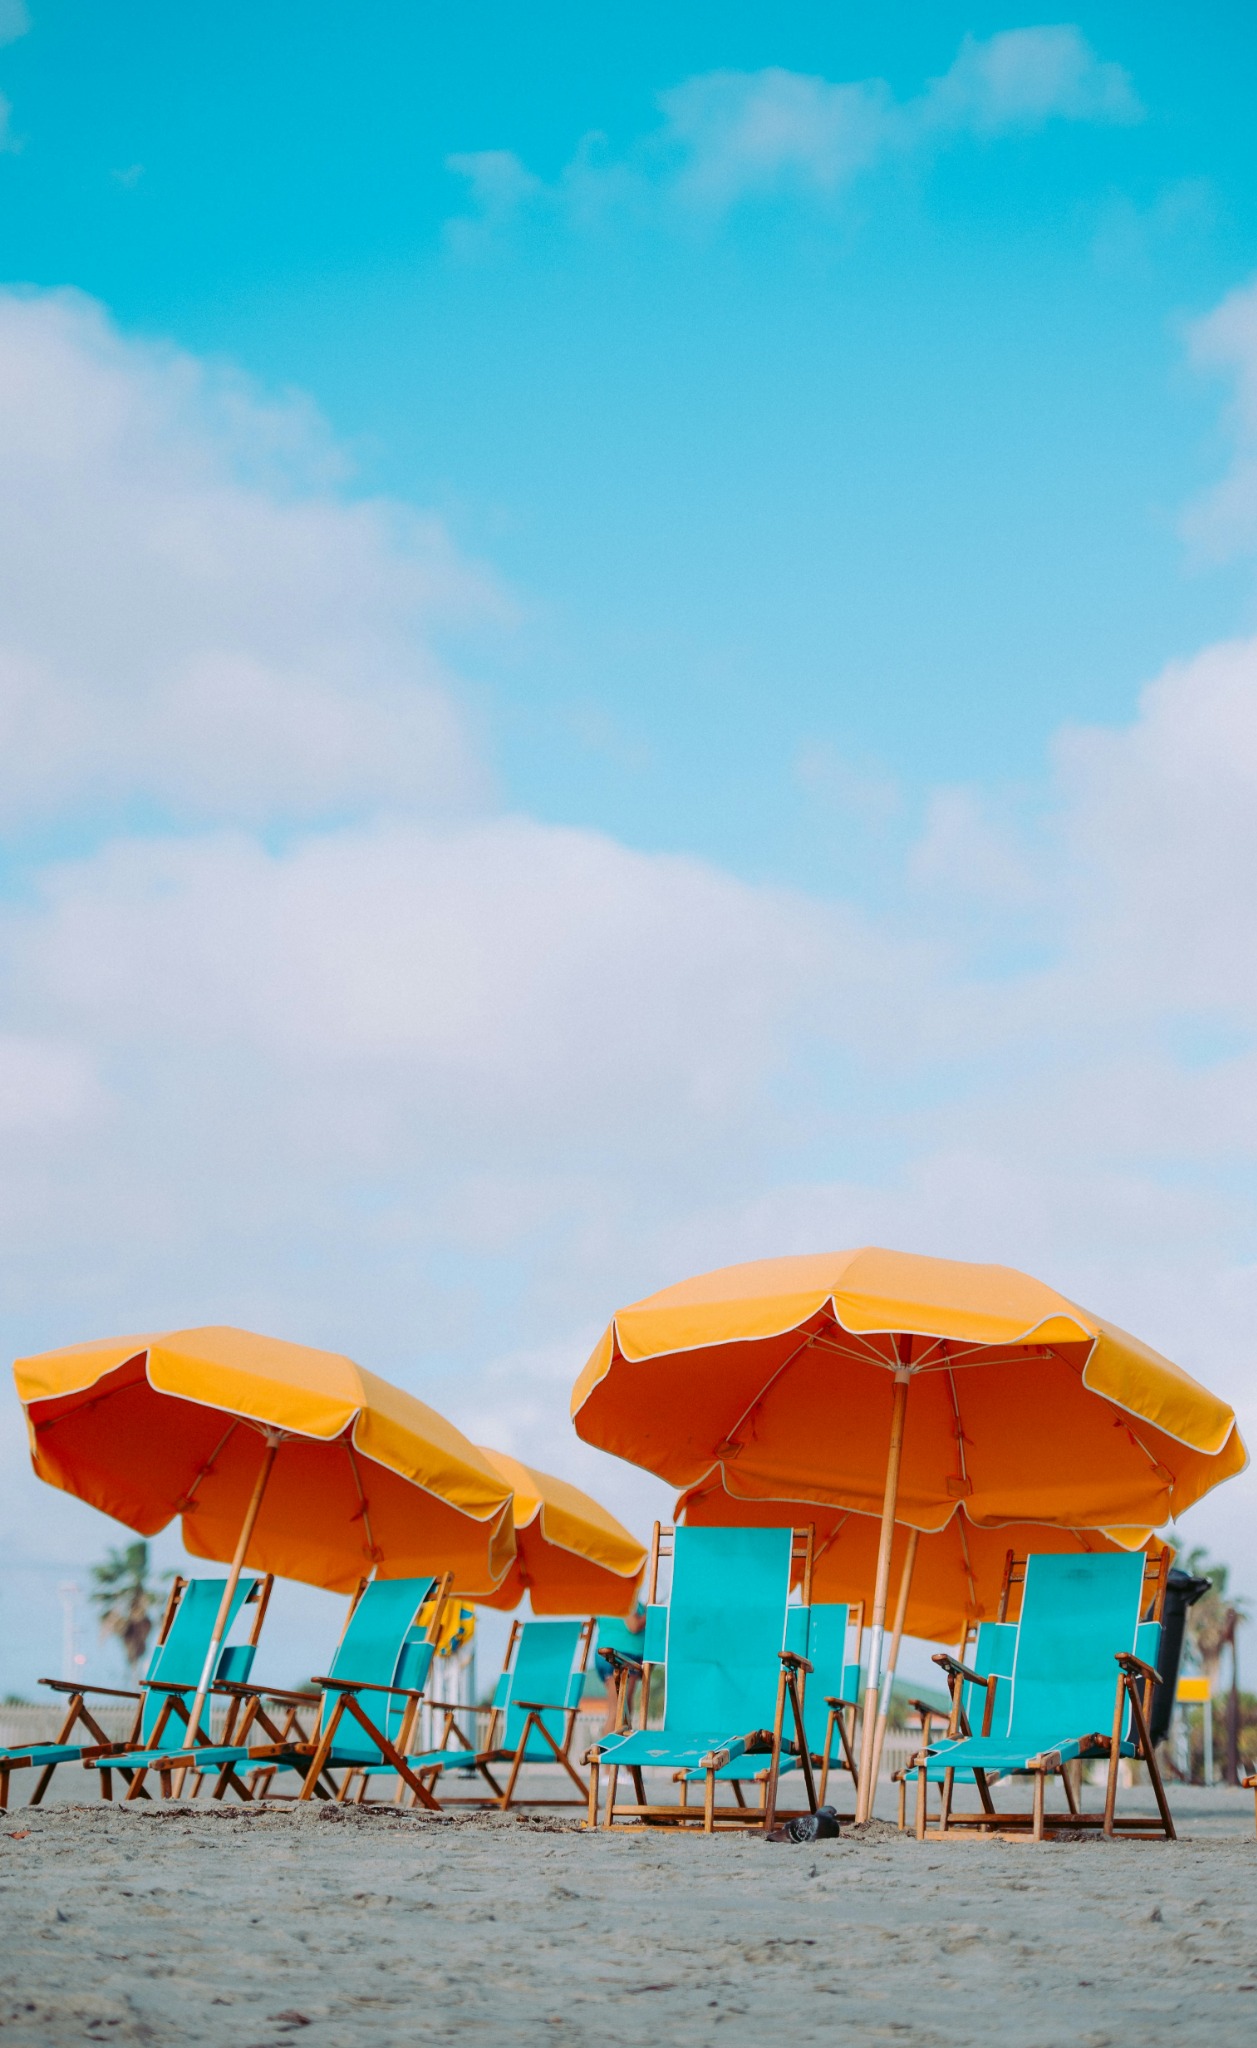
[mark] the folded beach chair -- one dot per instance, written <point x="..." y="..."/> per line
<point x="728" y="1677"/>
<point x="1082" y="1678"/>
<point x="831" y="1698"/>
<point x="535" y="1704"/>
<point x="183" y="1638"/>
<point x="168" y="1688"/>
<point x="366" y="1705"/>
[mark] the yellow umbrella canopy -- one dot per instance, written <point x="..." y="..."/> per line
<point x="955" y="1575"/>
<point x="783" y="1375"/>
<point x="571" y="1556"/>
<point x="342" y="1474"/>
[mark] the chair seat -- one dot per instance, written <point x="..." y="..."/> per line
<point x="38" y="1754"/>
<point x="986" y="1754"/>
<point x="650" y="1749"/>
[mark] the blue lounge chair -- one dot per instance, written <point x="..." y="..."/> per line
<point x="721" y="1639"/>
<point x="384" y="1655"/>
<point x="182" y="1641"/>
<point x="831" y="1693"/>
<point x="1082" y="1678"/>
<point x="169" y="1686"/>
<point x="535" y="1704"/>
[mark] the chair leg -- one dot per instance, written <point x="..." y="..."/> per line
<point x="709" y="1801"/>
<point x="4" y="1791"/>
<point x="595" y="1774"/>
<point x="612" y="1785"/>
<point x="922" y="1784"/>
<point x="1040" y="1784"/>
<point x="45" y="1780"/>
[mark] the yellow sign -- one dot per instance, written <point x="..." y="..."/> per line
<point x="1192" y="1690"/>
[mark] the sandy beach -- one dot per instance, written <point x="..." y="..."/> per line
<point x="345" y="1926"/>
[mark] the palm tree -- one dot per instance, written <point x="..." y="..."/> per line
<point x="126" y="1598"/>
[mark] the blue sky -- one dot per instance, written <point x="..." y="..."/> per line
<point x="581" y="605"/>
<point x="894" y="468"/>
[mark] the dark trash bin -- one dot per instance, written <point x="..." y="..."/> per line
<point x="1181" y="1592"/>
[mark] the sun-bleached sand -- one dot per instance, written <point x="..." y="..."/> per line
<point x="344" y="1926"/>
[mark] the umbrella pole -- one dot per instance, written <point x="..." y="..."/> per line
<point x="273" y="1441"/>
<point x="892" y="1662"/>
<point x="877" y="1627"/>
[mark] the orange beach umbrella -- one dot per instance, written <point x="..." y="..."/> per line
<point x="571" y="1556"/>
<point x="274" y="1455"/>
<point x="886" y="1382"/>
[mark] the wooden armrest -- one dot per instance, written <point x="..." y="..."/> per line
<point x="402" y="1692"/>
<point x="954" y="1669"/>
<point x="1133" y="1666"/>
<point x="73" y="1685"/>
<point x="620" y="1660"/>
<point x="541" y="1707"/>
<point x="793" y="1662"/>
<point x="831" y="1701"/>
<point x="459" y="1707"/>
<point x="181" y="1685"/>
<point x="926" y="1711"/>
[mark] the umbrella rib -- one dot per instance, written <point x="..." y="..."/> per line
<point x="964" y="1552"/>
<point x="189" y="1498"/>
<point x="372" y="1552"/>
<point x="960" y="1431"/>
<point x="729" y="1443"/>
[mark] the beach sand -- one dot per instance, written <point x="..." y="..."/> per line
<point x="341" y="1926"/>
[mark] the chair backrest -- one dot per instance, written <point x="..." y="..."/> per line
<point x="382" y="1645"/>
<point x="181" y="1658"/>
<point x="994" y="1653"/>
<point x="726" y="1624"/>
<point x="543" y="1667"/>
<point x="1077" y="1613"/>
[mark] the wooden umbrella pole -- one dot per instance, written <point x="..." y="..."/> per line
<point x="273" y="1441"/>
<point x="892" y="1662"/>
<point x="877" y="1627"/>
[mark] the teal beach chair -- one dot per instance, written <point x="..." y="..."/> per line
<point x="46" y="1756"/>
<point x="831" y="1693"/>
<point x="1082" y="1678"/>
<point x="535" y="1704"/>
<point x="728" y="1674"/>
<point x="384" y="1651"/>
<point x="168" y="1688"/>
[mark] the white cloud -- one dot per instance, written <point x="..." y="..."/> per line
<point x="727" y="136"/>
<point x="191" y="614"/>
<point x="1024" y="77"/>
